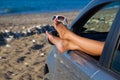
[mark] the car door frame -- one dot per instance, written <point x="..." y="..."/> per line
<point x="111" y="43"/>
<point x="112" y="36"/>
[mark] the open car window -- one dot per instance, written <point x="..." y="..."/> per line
<point x="98" y="26"/>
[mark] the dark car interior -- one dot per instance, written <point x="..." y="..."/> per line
<point x="100" y="36"/>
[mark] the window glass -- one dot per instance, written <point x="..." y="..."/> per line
<point x="115" y="66"/>
<point x="98" y="26"/>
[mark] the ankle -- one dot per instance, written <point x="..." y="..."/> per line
<point x="65" y="44"/>
<point x="66" y="34"/>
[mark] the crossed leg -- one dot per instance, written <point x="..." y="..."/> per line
<point x="63" y="43"/>
<point x="70" y="41"/>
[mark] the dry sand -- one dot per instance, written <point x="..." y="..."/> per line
<point x="19" y="59"/>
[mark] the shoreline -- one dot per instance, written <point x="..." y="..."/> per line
<point x="38" y="12"/>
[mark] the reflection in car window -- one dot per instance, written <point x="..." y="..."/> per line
<point x="99" y="25"/>
<point x="115" y="66"/>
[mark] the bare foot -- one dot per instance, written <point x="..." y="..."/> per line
<point x="59" y="43"/>
<point x="61" y="29"/>
<point x="62" y="44"/>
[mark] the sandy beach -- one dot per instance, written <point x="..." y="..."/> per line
<point x="24" y="58"/>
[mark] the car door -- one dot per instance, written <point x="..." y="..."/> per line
<point x="76" y="65"/>
<point x="115" y="62"/>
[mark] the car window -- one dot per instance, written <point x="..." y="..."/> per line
<point x="98" y="26"/>
<point x="115" y="66"/>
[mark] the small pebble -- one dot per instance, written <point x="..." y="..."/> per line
<point x="42" y="54"/>
<point x="8" y="39"/>
<point x="13" y="74"/>
<point x="8" y="45"/>
<point x="6" y="31"/>
<point x="26" y="63"/>
<point x="23" y="27"/>
<point x="33" y="41"/>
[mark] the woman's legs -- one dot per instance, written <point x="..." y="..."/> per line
<point x="70" y="41"/>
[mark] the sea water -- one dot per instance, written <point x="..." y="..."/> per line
<point x="40" y="6"/>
